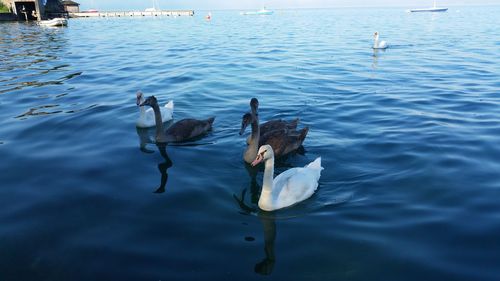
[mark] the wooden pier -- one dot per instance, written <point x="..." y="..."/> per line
<point x="167" y="13"/>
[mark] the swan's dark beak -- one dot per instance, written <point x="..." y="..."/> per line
<point x="243" y="127"/>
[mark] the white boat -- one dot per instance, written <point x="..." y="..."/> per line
<point x="54" y="22"/>
<point x="259" y="12"/>
<point x="155" y="8"/>
<point x="433" y="9"/>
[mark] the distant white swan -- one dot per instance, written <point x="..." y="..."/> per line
<point x="147" y="116"/>
<point x="377" y="44"/>
<point x="291" y="186"/>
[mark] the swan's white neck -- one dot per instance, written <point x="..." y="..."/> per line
<point x="375" y="44"/>
<point x="265" y="201"/>
<point x="142" y="110"/>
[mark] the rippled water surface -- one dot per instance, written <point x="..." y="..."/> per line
<point x="409" y="137"/>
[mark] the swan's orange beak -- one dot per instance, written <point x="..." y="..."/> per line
<point x="257" y="160"/>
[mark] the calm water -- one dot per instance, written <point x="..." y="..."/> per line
<point x="410" y="140"/>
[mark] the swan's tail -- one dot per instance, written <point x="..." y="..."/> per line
<point x="293" y="124"/>
<point x="316" y="164"/>
<point x="170" y="105"/>
<point x="303" y="134"/>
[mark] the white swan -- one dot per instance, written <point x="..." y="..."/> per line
<point x="290" y="187"/>
<point x="377" y="44"/>
<point x="147" y="116"/>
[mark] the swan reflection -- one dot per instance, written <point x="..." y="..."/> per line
<point x="268" y="221"/>
<point x="266" y="266"/>
<point x="376" y="54"/>
<point x="162" y="148"/>
<point x="145" y="139"/>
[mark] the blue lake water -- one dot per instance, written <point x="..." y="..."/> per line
<point x="409" y="137"/>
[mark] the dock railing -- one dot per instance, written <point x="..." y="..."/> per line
<point x="172" y="13"/>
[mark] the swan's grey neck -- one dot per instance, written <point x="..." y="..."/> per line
<point x="255" y="128"/>
<point x="253" y="142"/>
<point x="160" y="132"/>
<point x="254" y="110"/>
<point x="265" y="201"/>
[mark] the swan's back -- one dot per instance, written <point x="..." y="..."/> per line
<point x="278" y="124"/>
<point x="296" y="184"/>
<point x="284" y="141"/>
<point x="187" y="129"/>
<point x="380" y="45"/>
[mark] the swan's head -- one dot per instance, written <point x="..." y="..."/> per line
<point x="245" y="121"/>
<point x="149" y="101"/>
<point x="139" y="98"/>
<point x="265" y="152"/>
<point x="254" y="104"/>
<point x="375" y="35"/>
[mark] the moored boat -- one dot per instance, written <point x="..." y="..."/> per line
<point x="259" y="12"/>
<point x="433" y="9"/>
<point x="429" y="10"/>
<point x="54" y="22"/>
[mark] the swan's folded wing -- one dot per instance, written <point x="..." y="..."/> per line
<point x="147" y="119"/>
<point x="166" y="113"/>
<point x="282" y="180"/>
<point x="295" y="186"/>
<point x="170" y="105"/>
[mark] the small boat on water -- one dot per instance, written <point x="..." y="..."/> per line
<point x="433" y="9"/>
<point x="54" y="22"/>
<point x="259" y="12"/>
<point x="155" y="8"/>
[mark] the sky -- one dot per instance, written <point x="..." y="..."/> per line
<point x="125" y="5"/>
